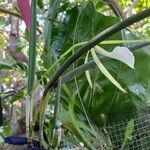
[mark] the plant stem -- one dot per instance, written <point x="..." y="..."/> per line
<point x="97" y="39"/>
<point x="9" y="12"/>
<point x="32" y="47"/>
<point x="12" y="93"/>
<point x="90" y="65"/>
<point x="53" y="10"/>
<point x="115" y="8"/>
<point x="31" y="68"/>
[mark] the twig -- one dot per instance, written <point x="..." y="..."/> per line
<point x="11" y="93"/>
<point x="7" y="92"/>
<point x="129" y="11"/>
<point x="97" y="39"/>
<point x="9" y="12"/>
<point x="1" y="111"/>
<point x="115" y="8"/>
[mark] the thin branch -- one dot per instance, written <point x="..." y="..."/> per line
<point x="90" y="65"/>
<point x="7" y="92"/>
<point x="97" y="39"/>
<point x="129" y="11"/>
<point x="16" y="15"/>
<point x="140" y="45"/>
<point x="115" y="8"/>
<point x="1" y="111"/>
<point x="9" y="12"/>
<point x="12" y="93"/>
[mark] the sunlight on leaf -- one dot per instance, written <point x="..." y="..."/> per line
<point x="87" y="73"/>
<point x="104" y="70"/>
<point x="120" y="53"/>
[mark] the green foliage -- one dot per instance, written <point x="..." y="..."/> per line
<point x="40" y="4"/>
<point x="32" y="48"/>
<point x="17" y="96"/>
<point x="75" y="26"/>
<point x="104" y="99"/>
<point x="1" y="140"/>
<point x="2" y="41"/>
<point x="128" y="133"/>
<point x="83" y="107"/>
<point x="4" y="65"/>
<point x="129" y="130"/>
<point x="6" y="130"/>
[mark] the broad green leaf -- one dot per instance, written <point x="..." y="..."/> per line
<point x="129" y="130"/>
<point x="120" y="53"/>
<point x="104" y="70"/>
<point x="128" y="134"/>
<point x="87" y="73"/>
<point x="40" y="4"/>
<point x="62" y="36"/>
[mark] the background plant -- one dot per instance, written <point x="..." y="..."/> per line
<point x="72" y="112"/>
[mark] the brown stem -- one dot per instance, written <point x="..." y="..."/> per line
<point x="16" y="15"/>
<point x="115" y="8"/>
<point x="9" y="12"/>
